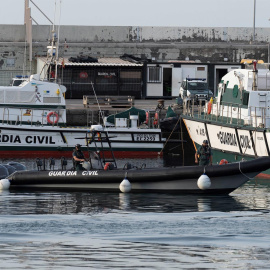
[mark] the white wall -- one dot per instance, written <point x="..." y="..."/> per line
<point x="154" y="90"/>
<point x="176" y="81"/>
<point x="191" y="71"/>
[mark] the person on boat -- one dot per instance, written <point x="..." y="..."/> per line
<point x="204" y="154"/>
<point x="78" y="158"/>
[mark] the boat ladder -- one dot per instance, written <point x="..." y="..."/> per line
<point x="103" y="137"/>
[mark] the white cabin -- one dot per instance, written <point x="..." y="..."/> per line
<point x="33" y="102"/>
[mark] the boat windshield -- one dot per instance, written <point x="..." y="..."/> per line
<point x="197" y="86"/>
<point x="17" y="82"/>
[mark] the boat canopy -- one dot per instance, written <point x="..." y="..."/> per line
<point x="126" y="114"/>
<point x="170" y="113"/>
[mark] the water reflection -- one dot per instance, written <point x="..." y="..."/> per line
<point x="71" y="230"/>
<point x="17" y="203"/>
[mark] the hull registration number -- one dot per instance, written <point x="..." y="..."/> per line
<point x="146" y="137"/>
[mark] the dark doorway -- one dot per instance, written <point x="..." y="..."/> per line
<point x="167" y="82"/>
<point x="220" y="72"/>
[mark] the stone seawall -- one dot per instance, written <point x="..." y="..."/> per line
<point x="155" y="43"/>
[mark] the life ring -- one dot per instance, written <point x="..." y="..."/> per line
<point x="107" y="166"/>
<point x="147" y="118"/>
<point x="156" y="119"/>
<point x="83" y="75"/>
<point x="223" y="162"/>
<point x="209" y="107"/>
<point x="55" y="117"/>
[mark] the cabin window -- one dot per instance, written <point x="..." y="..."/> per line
<point x="51" y="99"/>
<point x="200" y="68"/>
<point x="245" y="98"/>
<point x="131" y="75"/>
<point x="154" y="75"/>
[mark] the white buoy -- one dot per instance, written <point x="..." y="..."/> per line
<point x="4" y="184"/>
<point x="204" y="182"/>
<point x="125" y="186"/>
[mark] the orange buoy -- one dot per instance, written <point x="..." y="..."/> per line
<point x="223" y="162"/>
<point x="107" y="166"/>
<point x="209" y="106"/>
<point x="147" y="118"/>
<point x="156" y="119"/>
<point x="99" y="136"/>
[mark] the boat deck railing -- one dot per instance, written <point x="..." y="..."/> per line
<point x="36" y="116"/>
<point x="229" y="113"/>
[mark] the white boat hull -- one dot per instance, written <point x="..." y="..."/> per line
<point x="242" y="142"/>
<point x="25" y="140"/>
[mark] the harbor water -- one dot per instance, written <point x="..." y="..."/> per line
<point x="86" y="230"/>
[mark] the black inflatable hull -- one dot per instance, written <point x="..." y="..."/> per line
<point x="224" y="178"/>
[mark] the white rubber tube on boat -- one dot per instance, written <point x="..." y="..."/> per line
<point x="4" y="184"/>
<point x="204" y="182"/>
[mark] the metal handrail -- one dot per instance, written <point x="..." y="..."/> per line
<point x="256" y="114"/>
<point x="6" y="116"/>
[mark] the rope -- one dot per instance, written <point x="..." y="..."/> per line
<point x="182" y="144"/>
<point x="243" y="173"/>
<point x="170" y="135"/>
<point x="101" y="112"/>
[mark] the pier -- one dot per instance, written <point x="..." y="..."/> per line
<point x="78" y="115"/>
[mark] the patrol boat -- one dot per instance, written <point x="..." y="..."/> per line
<point x="236" y="122"/>
<point x="101" y="174"/>
<point x="33" y="124"/>
<point x="33" y="120"/>
<point x="216" y="179"/>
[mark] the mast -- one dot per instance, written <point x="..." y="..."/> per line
<point x="255" y="71"/>
<point x="53" y="48"/>
<point x="28" y="28"/>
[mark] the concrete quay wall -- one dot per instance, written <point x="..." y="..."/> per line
<point x="157" y="43"/>
<point x="122" y="34"/>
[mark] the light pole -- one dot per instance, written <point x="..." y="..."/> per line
<point x="254" y="15"/>
<point x="269" y="49"/>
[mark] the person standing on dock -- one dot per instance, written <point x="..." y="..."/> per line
<point x="78" y="158"/>
<point x="204" y="154"/>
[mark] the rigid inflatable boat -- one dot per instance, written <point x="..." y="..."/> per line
<point x="216" y="179"/>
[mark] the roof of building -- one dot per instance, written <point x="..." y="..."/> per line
<point x="101" y="62"/>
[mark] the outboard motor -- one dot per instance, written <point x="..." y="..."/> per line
<point x="10" y="169"/>
<point x="128" y="166"/>
<point x="17" y="166"/>
<point x="63" y="163"/>
<point x="39" y="164"/>
<point x="3" y="172"/>
<point x="52" y="163"/>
